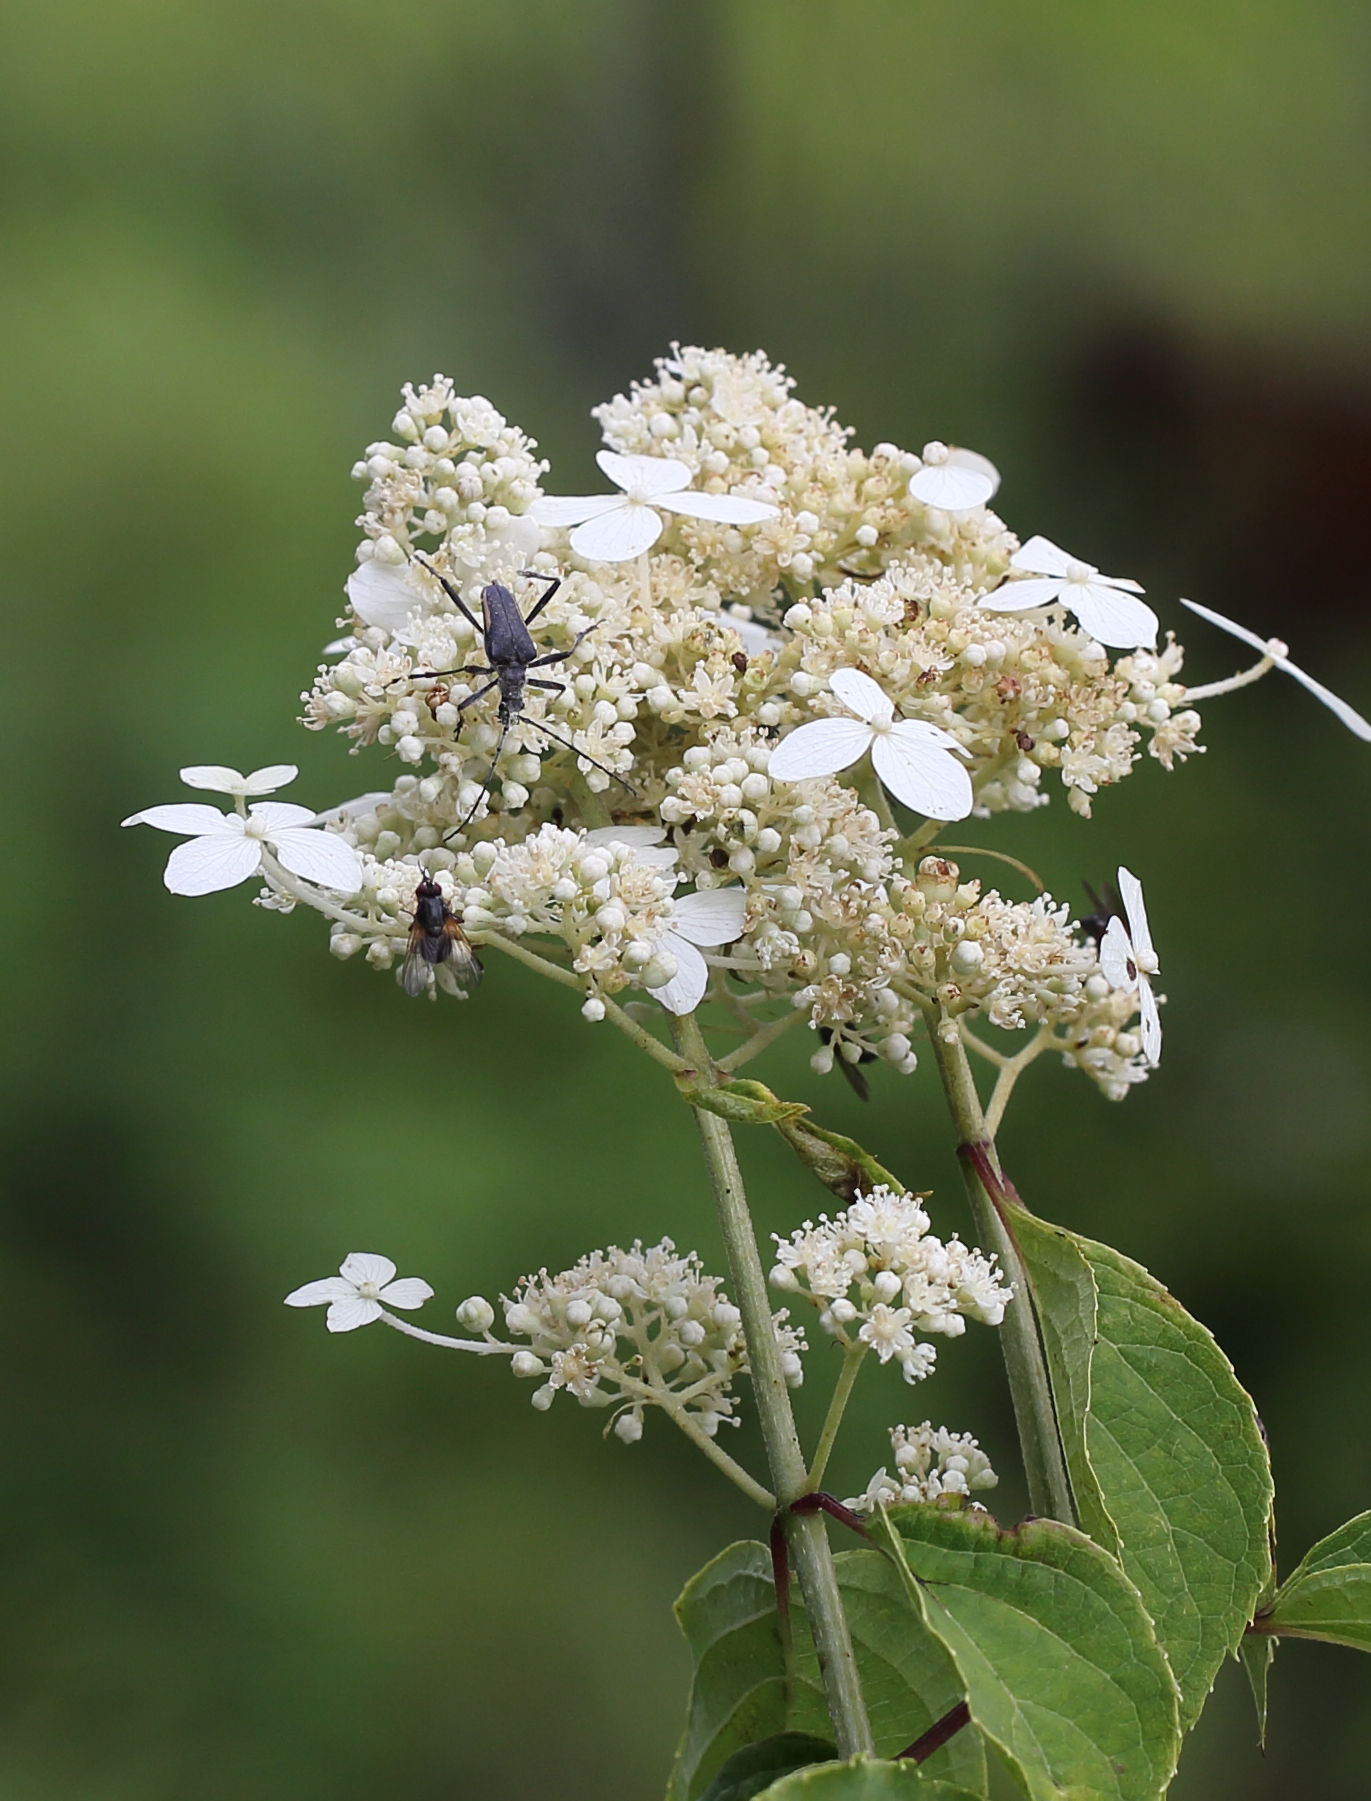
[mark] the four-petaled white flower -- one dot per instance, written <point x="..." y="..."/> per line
<point x="226" y="848"/>
<point x="709" y="917"/>
<point x="916" y="761"/>
<point x="355" y="1294"/>
<point x="1276" y="651"/>
<point x="1127" y="959"/>
<point x="1104" y="604"/>
<point x="953" y="479"/>
<point x="613" y="528"/>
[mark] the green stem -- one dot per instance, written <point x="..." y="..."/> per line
<point x="661" y="1396"/>
<point x="762" y="1037"/>
<point x="1035" y="1415"/>
<point x="853" y="1355"/>
<point x="1011" y="1068"/>
<point x="805" y="1533"/>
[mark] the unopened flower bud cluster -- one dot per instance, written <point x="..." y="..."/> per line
<point x="878" y="1277"/>
<point x="638" y="1328"/>
<point x="931" y="1465"/>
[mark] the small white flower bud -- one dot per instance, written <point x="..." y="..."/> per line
<point x="867" y="535"/>
<point x="798" y="616"/>
<point x="974" y="655"/>
<point x="768" y="840"/>
<point x="887" y="1284"/>
<point x="690" y="1332"/>
<point x="522" y="1319"/>
<point x="908" y="1065"/>
<point x="896" y="1048"/>
<point x="611" y="918"/>
<point x="344" y="944"/>
<point x="802" y="683"/>
<point x="792" y="1369"/>
<point x="783" y="1277"/>
<point x="543" y="1397"/>
<point x="742" y="861"/>
<point x="843" y="1311"/>
<point x="629" y="1427"/>
<point x="822" y="1060"/>
<point x="579" y="1313"/>
<point x="410" y="749"/>
<point x="476" y="1314"/>
<point x="524" y="1363"/>
<point x="840" y="964"/>
<point x="967" y="956"/>
<point x="659" y="971"/>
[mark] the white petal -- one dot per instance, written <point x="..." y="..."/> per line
<point x="1122" y="581"/>
<point x="382" y="594"/>
<point x="632" y="835"/>
<point x="954" y="490"/>
<point x="346" y="1316"/>
<point x="571" y="509"/>
<point x="709" y="916"/>
<point x="215" y="777"/>
<point x="409" y="1291"/>
<point x="921" y="772"/>
<point x="278" y="815"/>
<point x="972" y="459"/>
<point x="728" y="509"/>
<point x="1151" y="1022"/>
<point x="684" y="992"/>
<point x="860" y="694"/>
<point x="650" y="475"/>
<point x="268" y="780"/>
<point x="188" y="816"/>
<point x="1116" y="956"/>
<point x="205" y="865"/>
<point x="1018" y="596"/>
<point x="357" y="808"/>
<point x="821" y="748"/>
<point x="1114" y="618"/>
<point x="314" y="1294"/>
<point x="320" y="857"/>
<point x="367" y="1266"/>
<point x="619" y="535"/>
<point x="1348" y="715"/>
<point x="1040" y="556"/>
<point x="1131" y="894"/>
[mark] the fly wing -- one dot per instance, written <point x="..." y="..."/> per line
<point x="414" y="972"/>
<point x="456" y="952"/>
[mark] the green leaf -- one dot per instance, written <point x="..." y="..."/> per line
<point x="1061" y="1668"/>
<point x="757" y="1766"/>
<point x="840" y="1163"/>
<point x="742" y="1102"/>
<point x="1167" y="1461"/>
<point x="865" y="1779"/>
<point x="740" y="1695"/>
<point x="1329" y="1595"/>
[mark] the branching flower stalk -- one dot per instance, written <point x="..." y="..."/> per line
<point x="773" y="669"/>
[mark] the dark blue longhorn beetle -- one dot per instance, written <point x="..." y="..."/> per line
<point x="510" y="654"/>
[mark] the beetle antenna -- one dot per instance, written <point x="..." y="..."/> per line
<point x="539" y="726"/>
<point x="485" y="786"/>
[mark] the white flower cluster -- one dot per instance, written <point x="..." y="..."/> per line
<point x="639" y="1328"/>
<point x="931" y="1464"/>
<point x="750" y="652"/>
<point x="877" y="1267"/>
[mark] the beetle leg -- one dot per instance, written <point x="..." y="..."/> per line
<point x="462" y="705"/>
<point x="452" y="594"/>
<point x="533" y="575"/>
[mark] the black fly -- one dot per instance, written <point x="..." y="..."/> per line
<point x="510" y="654"/>
<point x="436" y="937"/>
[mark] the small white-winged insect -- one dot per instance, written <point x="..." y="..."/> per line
<point x="1128" y="960"/>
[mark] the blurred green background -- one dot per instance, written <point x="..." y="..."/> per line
<point x="1123" y="249"/>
